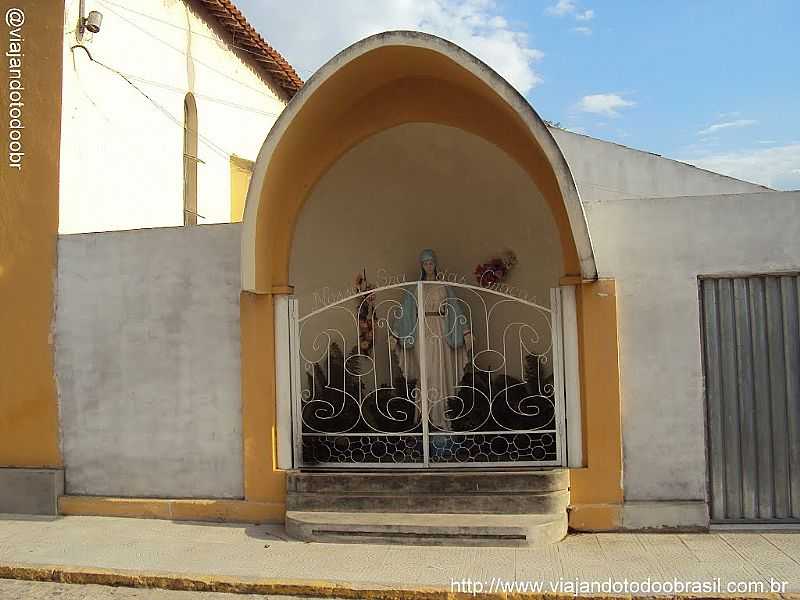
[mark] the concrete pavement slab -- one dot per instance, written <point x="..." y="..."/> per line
<point x="261" y="558"/>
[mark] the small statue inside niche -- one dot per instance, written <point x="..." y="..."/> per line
<point x="447" y="341"/>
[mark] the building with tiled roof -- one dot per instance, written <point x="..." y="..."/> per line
<point x="164" y="110"/>
<point x="246" y="38"/>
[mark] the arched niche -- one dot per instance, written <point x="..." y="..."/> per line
<point x="380" y="83"/>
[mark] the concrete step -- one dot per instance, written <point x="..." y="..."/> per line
<point x="427" y="529"/>
<point x="429" y="482"/>
<point x="474" y="492"/>
<point x="499" y="503"/>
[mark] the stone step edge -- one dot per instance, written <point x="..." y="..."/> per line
<point x="427" y="529"/>
<point x="406" y="494"/>
<point x="346" y="483"/>
<point x="422" y="520"/>
<point x="467" y="504"/>
<point x="429" y="474"/>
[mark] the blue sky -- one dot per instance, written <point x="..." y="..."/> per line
<point x="710" y="82"/>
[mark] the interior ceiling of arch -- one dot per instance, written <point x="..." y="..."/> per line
<point x="356" y="98"/>
<point x="422" y="185"/>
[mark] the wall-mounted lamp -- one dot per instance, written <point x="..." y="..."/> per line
<point x="90" y="22"/>
<point x="93" y="21"/>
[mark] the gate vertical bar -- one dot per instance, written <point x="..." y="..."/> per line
<point x="558" y="371"/>
<point x="297" y="383"/>
<point x="423" y="373"/>
<point x="284" y="397"/>
<point x="573" y="419"/>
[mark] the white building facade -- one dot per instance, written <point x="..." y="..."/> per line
<point x="154" y="73"/>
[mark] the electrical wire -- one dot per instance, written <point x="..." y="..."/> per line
<point x="147" y="159"/>
<point x="182" y="53"/>
<point x="186" y="29"/>
<point x="148" y="162"/>
<point x="218" y="149"/>
<point x="214" y="99"/>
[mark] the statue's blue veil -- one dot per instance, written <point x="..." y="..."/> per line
<point x="427" y="254"/>
<point x="405" y="328"/>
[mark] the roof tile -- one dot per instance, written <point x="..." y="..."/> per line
<point x="268" y="59"/>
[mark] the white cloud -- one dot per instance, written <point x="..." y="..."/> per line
<point x="777" y="167"/>
<point x="561" y="8"/>
<point x="604" y="104"/>
<point x="727" y="125"/>
<point x="583" y="30"/>
<point x="586" y="15"/>
<point x="310" y="32"/>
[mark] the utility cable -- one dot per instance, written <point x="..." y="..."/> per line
<point x="182" y="53"/>
<point x="218" y="149"/>
<point x="106" y="3"/>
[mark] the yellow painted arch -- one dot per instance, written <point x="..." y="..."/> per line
<point x="381" y="82"/>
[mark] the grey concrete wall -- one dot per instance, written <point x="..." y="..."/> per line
<point x="30" y="491"/>
<point x="656" y="249"/>
<point x="608" y="171"/>
<point x="147" y="362"/>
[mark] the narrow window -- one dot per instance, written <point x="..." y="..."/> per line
<point x="189" y="160"/>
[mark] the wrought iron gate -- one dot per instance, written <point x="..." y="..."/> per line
<point x="751" y="351"/>
<point x="428" y="374"/>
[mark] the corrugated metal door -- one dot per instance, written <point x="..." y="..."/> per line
<point x="751" y="347"/>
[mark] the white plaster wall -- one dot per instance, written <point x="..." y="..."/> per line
<point x="147" y="362"/>
<point x="122" y="153"/>
<point x="608" y="171"/>
<point x="656" y="249"/>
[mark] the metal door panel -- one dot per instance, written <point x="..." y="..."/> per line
<point x="751" y="352"/>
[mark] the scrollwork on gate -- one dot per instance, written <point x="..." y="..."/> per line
<point x="375" y="404"/>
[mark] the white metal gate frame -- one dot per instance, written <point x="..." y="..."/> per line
<point x="566" y="383"/>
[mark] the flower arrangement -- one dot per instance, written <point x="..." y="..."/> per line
<point x="366" y="310"/>
<point x="495" y="270"/>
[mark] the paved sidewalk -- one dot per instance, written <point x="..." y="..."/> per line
<point x="250" y="553"/>
<point x="11" y="589"/>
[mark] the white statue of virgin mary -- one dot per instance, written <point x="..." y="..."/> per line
<point x="447" y="343"/>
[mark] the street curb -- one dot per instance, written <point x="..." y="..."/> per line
<point x="306" y="588"/>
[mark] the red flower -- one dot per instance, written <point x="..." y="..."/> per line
<point x="493" y="271"/>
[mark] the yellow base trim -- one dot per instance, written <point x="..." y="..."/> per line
<point x="233" y="511"/>
<point x="595" y="517"/>
<point x="235" y="585"/>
